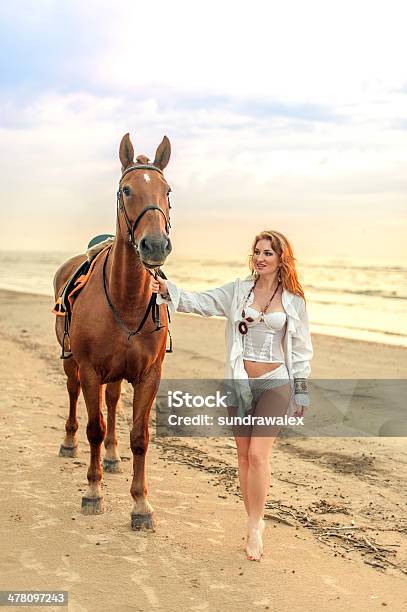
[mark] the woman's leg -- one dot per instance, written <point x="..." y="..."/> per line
<point x="273" y="402"/>
<point x="242" y="439"/>
<point x="242" y="445"/>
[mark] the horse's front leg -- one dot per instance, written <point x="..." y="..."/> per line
<point x="92" y="501"/>
<point x="111" y="460"/>
<point x="144" y="394"/>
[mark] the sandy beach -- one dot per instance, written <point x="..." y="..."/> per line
<point x="336" y="529"/>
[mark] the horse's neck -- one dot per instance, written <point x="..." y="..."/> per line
<point x="128" y="280"/>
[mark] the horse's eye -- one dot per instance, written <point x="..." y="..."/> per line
<point x="126" y="191"/>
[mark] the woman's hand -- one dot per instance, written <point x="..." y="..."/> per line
<point x="158" y="285"/>
<point x="299" y="412"/>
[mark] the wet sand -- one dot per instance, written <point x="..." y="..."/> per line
<point x="336" y="524"/>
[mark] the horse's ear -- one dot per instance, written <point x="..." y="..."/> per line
<point x="163" y="154"/>
<point x="126" y="152"/>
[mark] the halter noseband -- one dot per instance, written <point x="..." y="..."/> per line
<point x="131" y="227"/>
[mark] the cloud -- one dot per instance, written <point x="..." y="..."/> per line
<point x="48" y="45"/>
<point x="280" y="50"/>
<point x="278" y="111"/>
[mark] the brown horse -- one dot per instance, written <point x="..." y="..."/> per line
<point x="103" y="352"/>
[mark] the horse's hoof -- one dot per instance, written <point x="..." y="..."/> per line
<point x="68" y="451"/>
<point x="142" y="522"/>
<point x="113" y="466"/>
<point x="92" y="505"/>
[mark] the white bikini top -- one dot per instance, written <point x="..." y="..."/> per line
<point x="263" y="341"/>
<point x="273" y="320"/>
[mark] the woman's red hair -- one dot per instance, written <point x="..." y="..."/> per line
<point x="283" y="248"/>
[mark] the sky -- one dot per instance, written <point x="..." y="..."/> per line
<point x="281" y="115"/>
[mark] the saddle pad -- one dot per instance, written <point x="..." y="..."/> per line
<point x="74" y="285"/>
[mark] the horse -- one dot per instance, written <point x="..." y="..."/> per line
<point x="106" y="343"/>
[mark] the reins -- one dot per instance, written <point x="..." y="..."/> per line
<point x="152" y="307"/>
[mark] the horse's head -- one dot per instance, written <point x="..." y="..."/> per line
<point x="144" y="203"/>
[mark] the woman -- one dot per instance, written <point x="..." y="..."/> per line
<point x="268" y="348"/>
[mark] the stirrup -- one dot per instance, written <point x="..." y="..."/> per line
<point x="65" y="354"/>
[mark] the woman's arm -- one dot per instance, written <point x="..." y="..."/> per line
<point x="206" y="303"/>
<point x="302" y="353"/>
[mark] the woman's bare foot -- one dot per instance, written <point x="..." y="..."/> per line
<point x="254" y="545"/>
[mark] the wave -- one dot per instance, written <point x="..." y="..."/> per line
<point x="344" y="266"/>
<point x="367" y="292"/>
<point x="363" y="329"/>
<point x="224" y="263"/>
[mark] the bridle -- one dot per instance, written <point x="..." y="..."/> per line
<point x="152" y="308"/>
<point x="131" y="227"/>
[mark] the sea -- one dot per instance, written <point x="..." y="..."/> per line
<point x="347" y="298"/>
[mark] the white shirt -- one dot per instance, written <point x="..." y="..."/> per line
<point x="227" y="301"/>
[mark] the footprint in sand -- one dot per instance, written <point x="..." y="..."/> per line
<point x="44" y="520"/>
<point x="215" y="542"/>
<point x="204" y="605"/>
<point x="94" y="538"/>
<point x="193" y="525"/>
<point x="150" y="592"/>
<point x="221" y="586"/>
<point x="331" y="581"/>
<point x="66" y="572"/>
<point x="30" y="562"/>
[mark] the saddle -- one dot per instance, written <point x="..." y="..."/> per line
<point x="64" y="304"/>
<point x="80" y="277"/>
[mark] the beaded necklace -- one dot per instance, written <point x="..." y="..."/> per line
<point x="242" y="327"/>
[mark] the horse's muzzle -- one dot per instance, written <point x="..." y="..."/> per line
<point x="154" y="251"/>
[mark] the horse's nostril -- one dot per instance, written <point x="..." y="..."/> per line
<point x="155" y="248"/>
<point x="143" y="244"/>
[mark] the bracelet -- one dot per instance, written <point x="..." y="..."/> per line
<point x="300" y="385"/>
<point x="166" y="296"/>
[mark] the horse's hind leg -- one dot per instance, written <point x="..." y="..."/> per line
<point x="69" y="447"/>
<point x="112" y="461"/>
